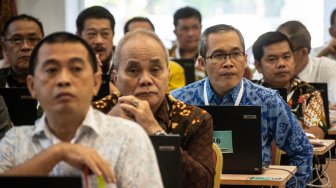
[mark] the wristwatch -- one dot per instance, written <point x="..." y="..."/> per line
<point x="160" y="133"/>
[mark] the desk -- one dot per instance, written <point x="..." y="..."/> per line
<point x="324" y="149"/>
<point x="321" y="150"/>
<point x="319" y="173"/>
<point x="280" y="177"/>
<point x="332" y="130"/>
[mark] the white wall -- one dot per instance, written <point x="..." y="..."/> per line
<point x="50" y="12"/>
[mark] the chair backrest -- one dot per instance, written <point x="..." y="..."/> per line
<point x="189" y="69"/>
<point x="276" y="154"/>
<point x="323" y="88"/>
<point x="218" y="164"/>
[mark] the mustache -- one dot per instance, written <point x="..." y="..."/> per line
<point x="99" y="48"/>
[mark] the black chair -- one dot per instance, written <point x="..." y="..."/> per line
<point x="189" y="69"/>
<point x="323" y="88"/>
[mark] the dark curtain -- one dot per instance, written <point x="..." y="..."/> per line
<point x="7" y="10"/>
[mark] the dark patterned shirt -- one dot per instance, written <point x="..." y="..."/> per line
<point x="7" y="79"/>
<point x="278" y="122"/>
<point x="306" y="104"/>
<point x="194" y="125"/>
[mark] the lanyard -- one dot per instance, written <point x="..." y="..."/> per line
<point x="239" y="97"/>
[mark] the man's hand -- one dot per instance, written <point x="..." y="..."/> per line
<point x="330" y="49"/>
<point x="80" y="156"/>
<point x="130" y="107"/>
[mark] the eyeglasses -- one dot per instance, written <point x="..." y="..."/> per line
<point x="220" y="57"/>
<point x="18" y="41"/>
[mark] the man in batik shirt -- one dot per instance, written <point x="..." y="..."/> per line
<point x="274" y="59"/>
<point x="142" y="76"/>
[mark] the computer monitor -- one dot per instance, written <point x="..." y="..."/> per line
<point x="167" y="149"/>
<point x="237" y="131"/>
<point x="40" y="182"/>
<point x="22" y="108"/>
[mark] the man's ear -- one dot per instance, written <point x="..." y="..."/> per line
<point x="201" y="62"/>
<point x="168" y="71"/>
<point x="332" y="32"/>
<point x="30" y="85"/>
<point x="258" y="65"/>
<point x="2" y="46"/>
<point x="305" y="51"/>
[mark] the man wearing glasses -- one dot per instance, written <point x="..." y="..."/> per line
<point x="223" y="57"/>
<point x="20" y="35"/>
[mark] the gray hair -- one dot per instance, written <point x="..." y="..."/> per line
<point x="138" y="33"/>
<point x="221" y="28"/>
<point x="297" y="34"/>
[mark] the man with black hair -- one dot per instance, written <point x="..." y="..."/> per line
<point x="309" y="69"/>
<point x="20" y="35"/>
<point x="96" y="26"/>
<point x="188" y="26"/>
<point x="71" y="137"/>
<point x="274" y="59"/>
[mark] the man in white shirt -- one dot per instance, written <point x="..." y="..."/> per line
<point x="329" y="48"/>
<point x="316" y="69"/>
<point x="71" y="135"/>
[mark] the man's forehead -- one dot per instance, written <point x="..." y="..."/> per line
<point x="91" y="22"/>
<point x="281" y="45"/>
<point x="55" y="49"/>
<point x="145" y="40"/>
<point x="20" y="26"/>
<point x="192" y="19"/>
<point x="230" y="38"/>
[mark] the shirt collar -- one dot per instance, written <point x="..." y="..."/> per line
<point x="88" y="125"/>
<point x="229" y="98"/>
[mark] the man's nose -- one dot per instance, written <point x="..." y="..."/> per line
<point x="26" y="45"/>
<point x="99" y="39"/>
<point x="146" y="79"/>
<point x="63" y="78"/>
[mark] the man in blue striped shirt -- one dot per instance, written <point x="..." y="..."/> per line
<point x="223" y="57"/>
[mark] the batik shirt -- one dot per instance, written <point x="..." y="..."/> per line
<point x="194" y="125"/>
<point x="277" y="121"/>
<point x="306" y="104"/>
<point x="122" y="143"/>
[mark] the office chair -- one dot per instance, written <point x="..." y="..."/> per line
<point x="323" y="88"/>
<point x="218" y="159"/>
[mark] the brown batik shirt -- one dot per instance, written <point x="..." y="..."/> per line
<point x="194" y="125"/>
